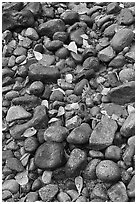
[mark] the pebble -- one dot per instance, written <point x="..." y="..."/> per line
<point x="126" y="17"/>
<point x="6" y="194"/>
<point x="36" y="88"/>
<point x="17" y="113"/>
<point x="46" y="177"/>
<point x="117" y="192"/>
<point x="50" y="27"/>
<point x="32" y="34"/>
<point x="70" y="17"/>
<point x="48" y="192"/>
<point x="56" y="95"/>
<point x="113" y="8"/>
<point x="96" y="154"/>
<point x="79" y="86"/>
<point x="91" y="63"/>
<point x="76" y="162"/>
<point x="107" y="54"/>
<point x="31" y="197"/>
<point x="81" y="199"/>
<point x="108" y="171"/>
<point x="11" y="94"/>
<point x="56" y="133"/>
<point x="90" y="170"/>
<point x="113" y="153"/>
<point x="53" y="45"/>
<point x="79" y="135"/>
<point x="49" y="155"/>
<point x="30" y="144"/>
<point x="128" y="127"/>
<point x="127" y="75"/>
<point x="10" y="185"/>
<point x="62" y="36"/>
<point x="123" y="93"/>
<point x="128" y="155"/>
<point x="14" y="164"/>
<point x="99" y="191"/>
<point x="63" y="197"/>
<point x="122" y="39"/>
<point x="103" y="134"/>
<point x="47" y="60"/>
<point x="117" y="61"/>
<point x="131" y="188"/>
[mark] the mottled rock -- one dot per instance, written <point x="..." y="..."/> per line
<point x="14" y="164"/>
<point x="126" y="75"/>
<point x="99" y="191"/>
<point x="34" y="7"/>
<point x="70" y="17"/>
<point x="46" y="177"/>
<point x="128" y="128"/>
<point x="10" y="185"/>
<point x="76" y="162"/>
<point x="47" y="60"/>
<point x="73" y="122"/>
<point x="128" y="155"/>
<point x="50" y="27"/>
<point x="63" y="197"/>
<point x="36" y="88"/>
<point x="108" y="171"/>
<point x="32" y="34"/>
<point x="49" y="155"/>
<point x="57" y="95"/>
<point x="91" y="63"/>
<point x="112" y="108"/>
<point x="117" y="192"/>
<point x="80" y="135"/>
<point x="17" y="113"/>
<point x="30" y="144"/>
<point x="103" y="134"/>
<point x="118" y="61"/>
<point x="106" y="54"/>
<point x="113" y="152"/>
<point x="125" y="17"/>
<point x="131" y="188"/>
<point x="56" y="134"/>
<point x="113" y="8"/>
<point x="62" y="36"/>
<point x="43" y="73"/>
<point x="31" y="197"/>
<point x="6" y="194"/>
<point x="48" y="192"/>
<point x="110" y="30"/>
<point x="122" y="39"/>
<point x="79" y="86"/>
<point x="122" y="94"/>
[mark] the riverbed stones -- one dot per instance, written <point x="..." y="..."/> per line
<point x="103" y="134"/>
<point x="17" y="113"/>
<point x="108" y="171"/>
<point x="50" y="27"/>
<point x="10" y="185"/>
<point x="14" y="164"/>
<point x="126" y="17"/>
<point x="43" y="73"/>
<point x="122" y="39"/>
<point x="70" y="17"/>
<point x="122" y="94"/>
<point x="49" y="155"/>
<point x="127" y="75"/>
<point x="106" y="54"/>
<point x="76" y="162"/>
<point x="48" y="192"/>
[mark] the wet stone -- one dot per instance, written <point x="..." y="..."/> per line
<point x="103" y="134"/>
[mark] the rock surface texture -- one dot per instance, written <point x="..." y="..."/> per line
<point x="68" y="101"/>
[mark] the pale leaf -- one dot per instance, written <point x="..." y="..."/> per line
<point x="45" y="103"/>
<point x="37" y="55"/>
<point x="30" y="132"/>
<point x="53" y="120"/>
<point x="24" y="159"/>
<point x="22" y="178"/>
<point x="79" y="183"/>
<point x="72" y="47"/>
<point x="61" y="111"/>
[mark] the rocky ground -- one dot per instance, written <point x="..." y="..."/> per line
<point x="68" y="103"/>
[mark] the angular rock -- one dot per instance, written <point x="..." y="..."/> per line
<point x="76" y="36"/>
<point x="122" y="39"/>
<point x="14" y="19"/>
<point x="103" y="134"/>
<point x="10" y="185"/>
<point x="50" y="27"/>
<point x="48" y="192"/>
<point x="108" y="171"/>
<point x="106" y="54"/>
<point x="56" y="134"/>
<point x="27" y="101"/>
<point x="125" y="17"/>
<point x="49" y="155"/>
<point x="47" y="60"/>
<point x="17" y="113"/>
<point x="122" y="94"/>
<point x="39" y="117"/>
<point x="117" y="192"/>
<point x="76" y="162"/>
<point x="14" y="164"/>
<point x="80" y="135"/>
<point x="43" y="73"/>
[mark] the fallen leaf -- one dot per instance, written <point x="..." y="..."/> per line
<point x="61" y="111"/>
<point x="37" y="55"/>
<point x="72" y="47"/>
<point x="22" y="178"/>
<point x="24" y="159"/>
<point x="79" y="183"/>
<point x="30" y="132"/>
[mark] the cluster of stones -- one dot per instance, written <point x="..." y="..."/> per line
<point x="65" y="113"/>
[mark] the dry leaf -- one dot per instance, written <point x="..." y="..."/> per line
<point x="30" y="132"/>
<point x="24" y="159"/>
<point x="22" y="178"/>
<point x="72" y="47"/>
<point x="37" y="55"/>
<point x="45" y="103"/>
<point x="61" y="111"/>
<point x="79" y="183"/>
